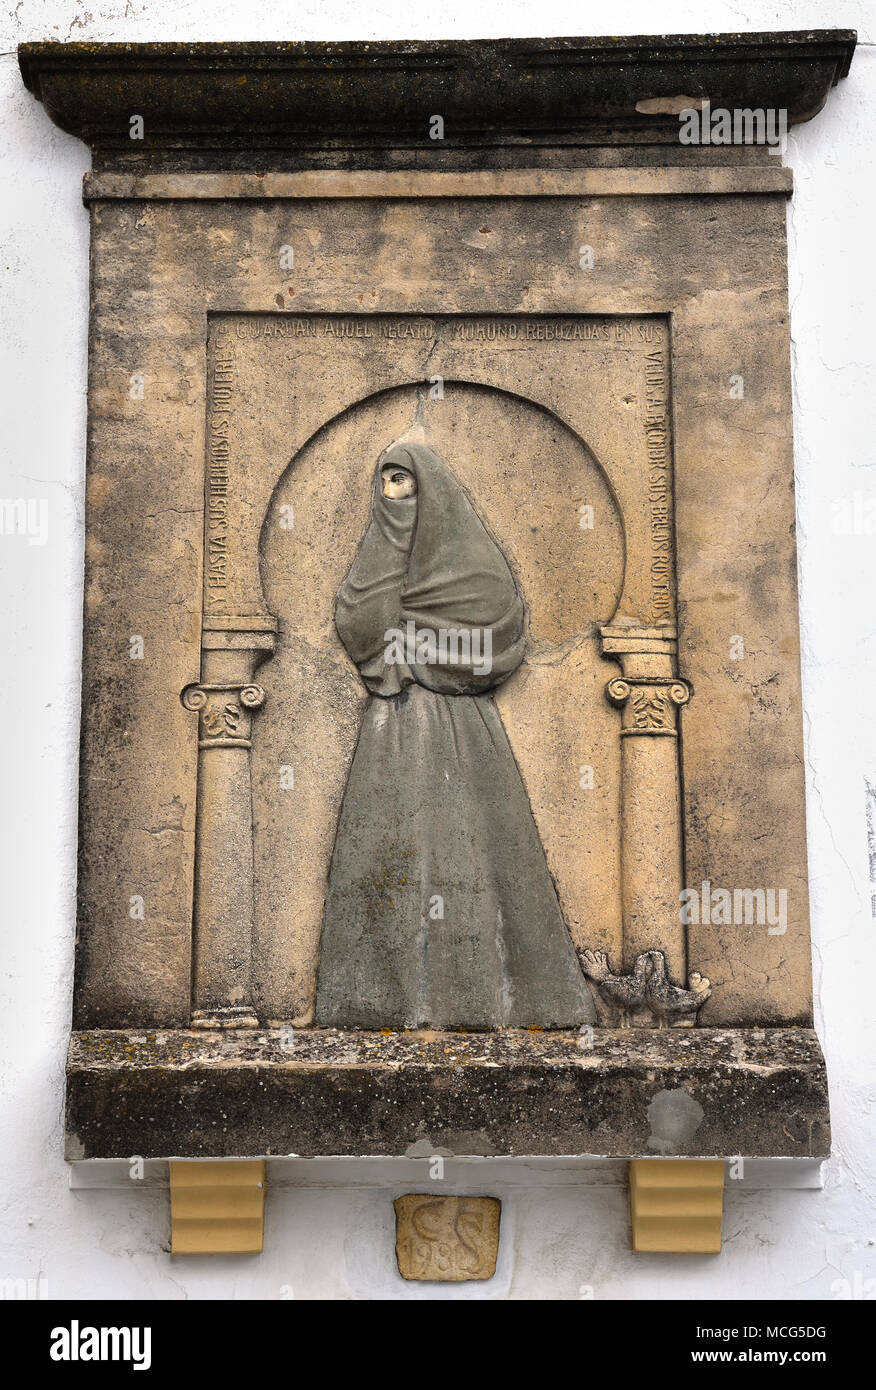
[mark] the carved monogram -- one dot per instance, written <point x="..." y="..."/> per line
<point x="446" y="1239"/>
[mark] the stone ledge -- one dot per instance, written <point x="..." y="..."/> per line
<point x="502" y="183"/>
<point x="462" y="1172"/>
<point x="215" y="96"/>
<point x="309" y="1092"/>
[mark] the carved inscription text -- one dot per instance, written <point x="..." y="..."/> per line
<point x="447" y="1239"/>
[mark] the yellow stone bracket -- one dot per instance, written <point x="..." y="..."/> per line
<point x="676" y="1204"/>
<point x="217" y="1208"/>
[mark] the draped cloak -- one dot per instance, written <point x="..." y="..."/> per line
<point x="440" y="909"/>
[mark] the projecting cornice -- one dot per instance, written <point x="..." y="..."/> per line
<point x="204" y="101"/>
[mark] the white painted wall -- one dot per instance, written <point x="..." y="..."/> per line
<point x="332" y="1239"/>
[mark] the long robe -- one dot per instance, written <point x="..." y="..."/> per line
<point x="440" y="909"/>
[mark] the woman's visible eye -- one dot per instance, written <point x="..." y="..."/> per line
<point x="398" y="482"/>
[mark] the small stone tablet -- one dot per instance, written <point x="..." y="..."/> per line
<point x="446" y="1239"/>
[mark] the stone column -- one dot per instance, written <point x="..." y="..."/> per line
<point x="650" y="695"/>
<point x="226" y="698"/>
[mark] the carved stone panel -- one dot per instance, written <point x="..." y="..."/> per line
<point x="446" y="1239"/>
<point x="500" y="398"/>
<point x="440" y="671"/>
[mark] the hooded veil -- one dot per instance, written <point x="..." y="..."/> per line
<point x="429" y="560"/>
<point x="440" y="908"/>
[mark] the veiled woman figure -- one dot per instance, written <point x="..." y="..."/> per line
<point x="440" y="909"/>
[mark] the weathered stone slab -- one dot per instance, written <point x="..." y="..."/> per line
<point x="422" y="183"/>
<point x="300" y="95"/>
<point x="701" y="1092"/>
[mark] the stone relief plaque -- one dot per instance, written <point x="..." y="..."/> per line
<point x="279" y="539"/>
<point x="446" y="1239"/>
<point x="441" y="694"/>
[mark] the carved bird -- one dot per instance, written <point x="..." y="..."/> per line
<point x="669" y="1001"/>
<point x="626" y="991"/>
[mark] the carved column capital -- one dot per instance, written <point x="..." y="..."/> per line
<point x="225" y="712"/>
<point x="649" y="706"/>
